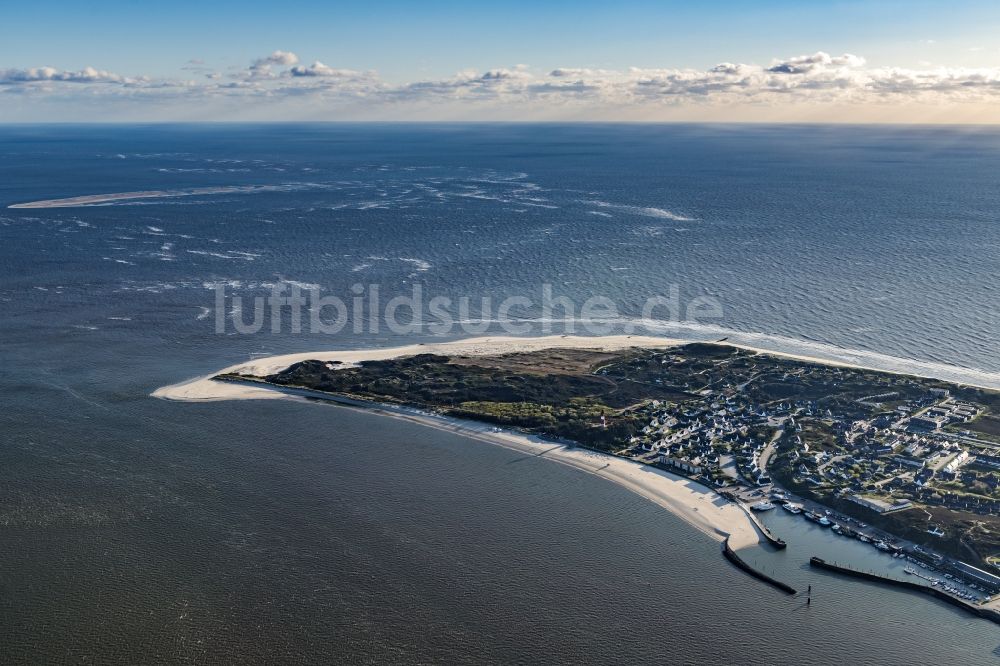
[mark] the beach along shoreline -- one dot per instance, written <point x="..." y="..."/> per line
<point x="417" y="370"/>
<point x="696" y="504"/>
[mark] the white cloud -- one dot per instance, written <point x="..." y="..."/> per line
<point x="85" y="75"/>
<point x="261" y="67"/>
<point x="280" y="58"/>
<point x="813" y="80"/>
<point x="561" y="72"/>
<point x="518" y="73"/>
<point x="321" y="70"/>
<point x="817" y="61"/>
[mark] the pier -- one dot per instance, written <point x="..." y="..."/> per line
<point x="756" y="573"/>
<point x="985" y="613"/>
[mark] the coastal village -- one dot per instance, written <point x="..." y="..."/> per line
<point x="907" y="465"/>
<point x="871" y="457"/>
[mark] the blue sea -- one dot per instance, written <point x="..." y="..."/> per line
<point x="136" y="530"/>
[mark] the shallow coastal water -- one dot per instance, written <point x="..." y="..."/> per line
<point x="273" y="532"/>
<point x="289" y="531"/>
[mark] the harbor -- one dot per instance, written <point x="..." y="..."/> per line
<point x="946" y="596"/>
<point x="900" y="558"/>
<point x="845" y="540"/>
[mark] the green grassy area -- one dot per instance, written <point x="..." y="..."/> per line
<point x="819" y="435"/>
<point x="986" y="424"/>
<point x="579" y="420"/>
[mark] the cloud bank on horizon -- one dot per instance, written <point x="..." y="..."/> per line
<point x="279" y="86"/>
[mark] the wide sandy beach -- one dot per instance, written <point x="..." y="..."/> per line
<point x="204" y="389"/>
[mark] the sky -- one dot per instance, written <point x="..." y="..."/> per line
<point x="726" y="60"/>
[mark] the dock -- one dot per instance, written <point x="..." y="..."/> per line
<point x="985" y="613"/>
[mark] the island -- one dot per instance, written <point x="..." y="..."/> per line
<point x="909" y="465"/>
<point x="918" y="458"/>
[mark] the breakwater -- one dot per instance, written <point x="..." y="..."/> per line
<point x="756" y="573"/>
<point x="985" y="613"/>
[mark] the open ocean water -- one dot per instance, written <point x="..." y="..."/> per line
<point x="137" y="530"/>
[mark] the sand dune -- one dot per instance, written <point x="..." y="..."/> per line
<point x="204" y="389"/>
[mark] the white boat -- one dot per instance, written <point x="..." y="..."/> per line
<point x="762" y="506"/>
<point x="792" y="508"/>
<point x="824" y="521"/>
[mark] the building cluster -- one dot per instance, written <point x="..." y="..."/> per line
<point x="945" y="412"/>
<point x="872" y="461"/>
<point x="703" y="438"/>
<point x="901" y="444"/>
